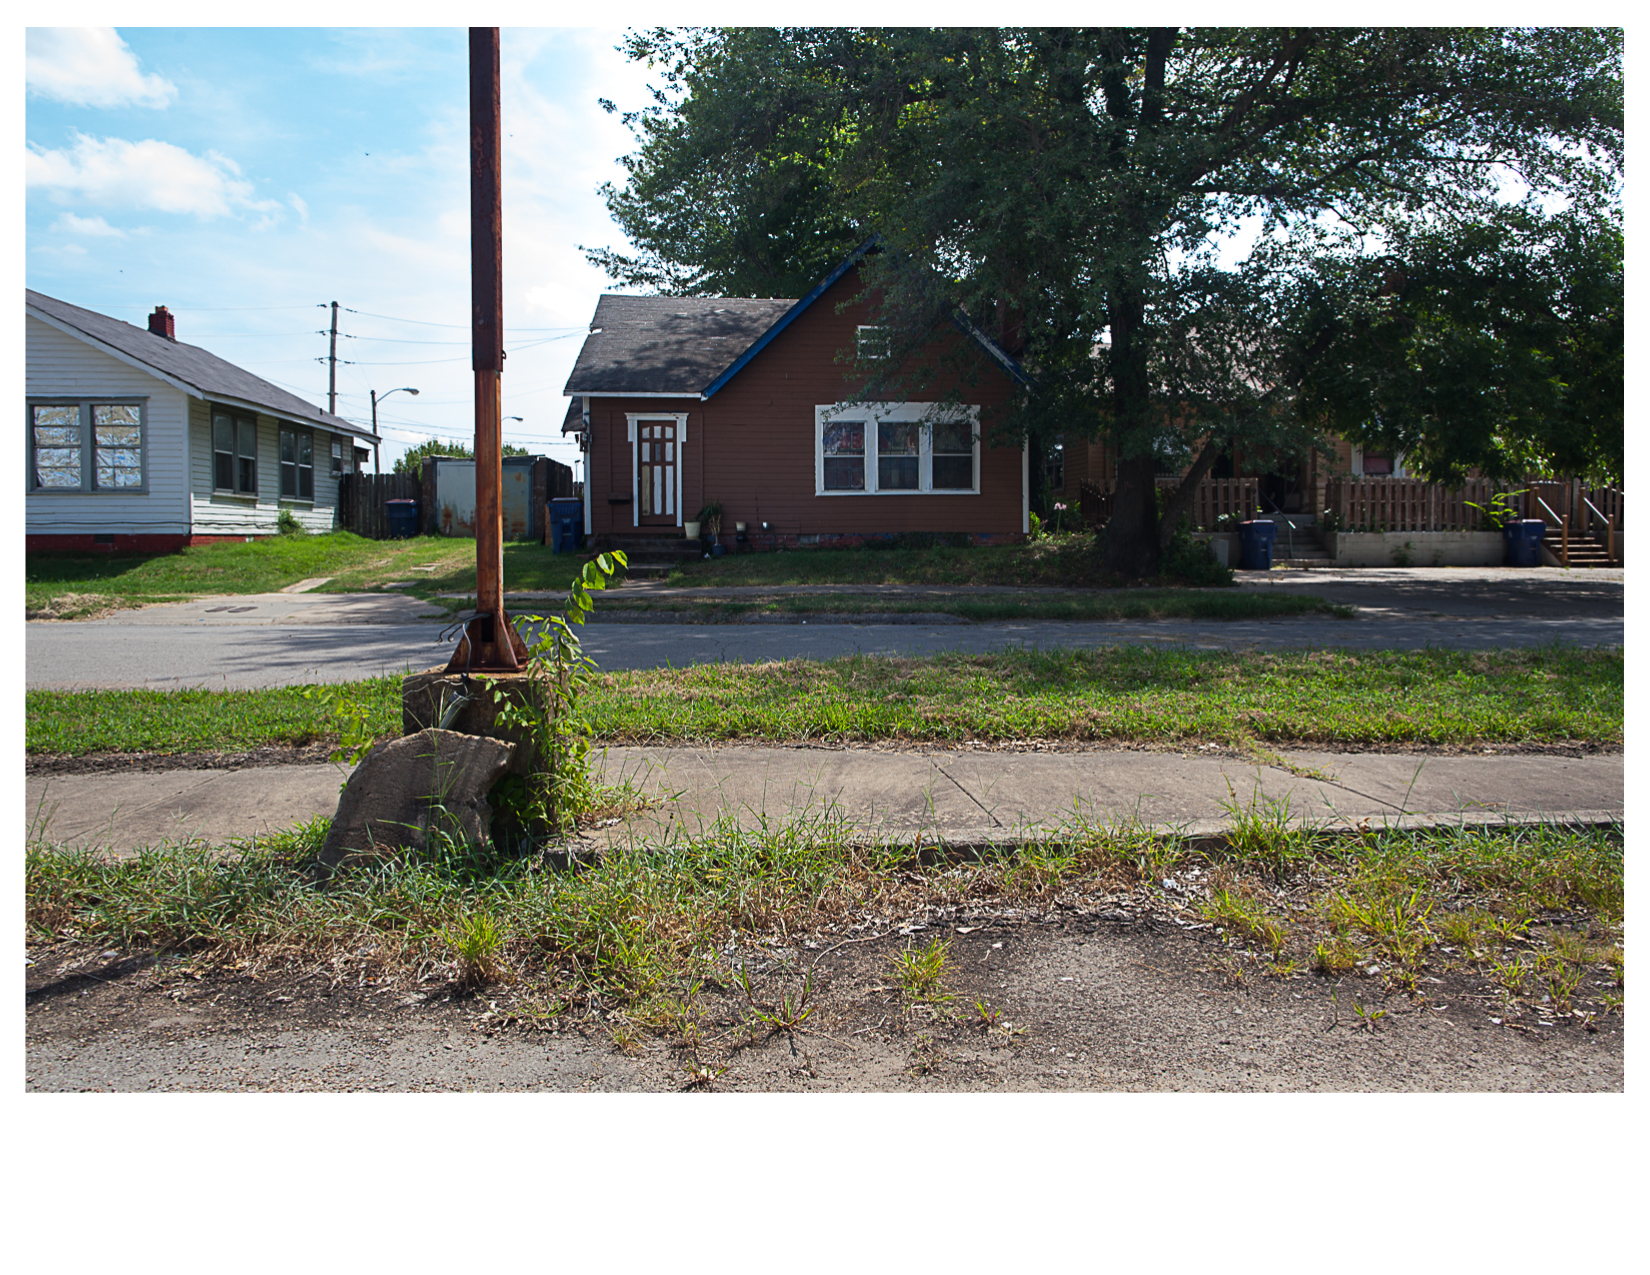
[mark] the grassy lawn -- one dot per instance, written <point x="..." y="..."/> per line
<point x="1068" y="560"/>
<point x="1532" y="915"/>
<point x="1107" y="604"/>
<point x="1130" y="695"/>
<point x="63" y="586"/>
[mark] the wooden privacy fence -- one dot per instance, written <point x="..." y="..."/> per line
<point x="1214" y="497"/>
<point x="1217" y="497"/>
<point x="1409" y="504"/>
<point x="362" y="497"/>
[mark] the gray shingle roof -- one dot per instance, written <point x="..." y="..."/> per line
<point x="195" y="367"/>
<point x="668" y="345"/>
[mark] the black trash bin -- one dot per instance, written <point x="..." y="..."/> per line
<point x="566" y="515"/>
<point x="1523" y="539"/>
<point x="1255" y="539"/>
<point x="403" y="516"/>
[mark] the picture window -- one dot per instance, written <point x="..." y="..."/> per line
<point x="897" y="449"/>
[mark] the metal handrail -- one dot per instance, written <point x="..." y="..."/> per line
<point x="1609" y="527"/>
<point x="1564" y="530"/>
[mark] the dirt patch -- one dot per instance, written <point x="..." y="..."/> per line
<point x="1103" y="1001"/>
<point x="97" y="763"/>
<point x="77" y="606"/>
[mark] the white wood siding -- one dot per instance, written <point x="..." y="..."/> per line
<point x="59" y="365"/>
<point x="221" y="515"/>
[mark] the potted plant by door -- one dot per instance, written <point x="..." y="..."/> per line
<point x="710" y="523"/>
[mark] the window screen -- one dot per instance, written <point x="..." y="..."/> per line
<point x="954" y="456"/>
<point x="896" y="456"/>
<point x="844" y="447"/>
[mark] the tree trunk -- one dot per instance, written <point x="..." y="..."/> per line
<point x="1132" y="545"/>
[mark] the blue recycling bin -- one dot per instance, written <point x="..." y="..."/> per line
<point x="403" y="517"/>
<point x="1523" y="539"/>
<point x="566" y="520"/>
<point x="1255" y="539"/>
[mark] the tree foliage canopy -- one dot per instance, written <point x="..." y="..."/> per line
<point x="412" y="461"/>
<point x="1190" y="236"/>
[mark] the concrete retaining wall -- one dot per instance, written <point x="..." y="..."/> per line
<point x="1419" y="548"/>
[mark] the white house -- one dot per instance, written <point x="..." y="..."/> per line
<point x="136" y="441"/>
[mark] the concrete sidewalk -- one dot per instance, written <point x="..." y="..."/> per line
<point x="957" y="795"/>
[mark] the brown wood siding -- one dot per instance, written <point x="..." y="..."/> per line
<point x="751" y="446"/>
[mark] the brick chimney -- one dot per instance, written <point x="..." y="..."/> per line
<point x="160" y="323"/>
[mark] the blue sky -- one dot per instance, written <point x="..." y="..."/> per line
<point x="245" y="177"/>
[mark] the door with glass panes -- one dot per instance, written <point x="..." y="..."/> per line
<point x="656" y="460"/>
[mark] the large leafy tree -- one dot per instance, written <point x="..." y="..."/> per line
<point x="1190" y="236"/>
<point x="412" y="460"/>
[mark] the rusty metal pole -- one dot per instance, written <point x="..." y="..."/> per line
<point x="490" y="642"/>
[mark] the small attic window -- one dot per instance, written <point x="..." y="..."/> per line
<point x="870" y="341"/>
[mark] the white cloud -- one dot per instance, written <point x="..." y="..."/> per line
<point x="90" y="66"/>
<point x="147" y="174"/>
<point x="299" y="206"/>
<point x="95" y="227"/>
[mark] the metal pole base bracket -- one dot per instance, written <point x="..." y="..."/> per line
<point x="480" y="649"/>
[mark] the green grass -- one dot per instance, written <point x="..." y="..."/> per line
<point x="1336" y="699"/>
<point x="62" y="586"/>
<point x="638" y="932"/>
<point x="1109" y="604"/>
<point x="1068" y="560"/>
<point x="79" y="722"/>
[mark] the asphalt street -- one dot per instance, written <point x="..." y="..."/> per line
<point x="282" y="639"/>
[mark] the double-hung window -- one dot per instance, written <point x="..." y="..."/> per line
<point x="896" y="448"/>
<point x="234" y="454"/>
<point x="297" y="464"/>
<point x="87" y="446"/>
<point x="337" y="458"/>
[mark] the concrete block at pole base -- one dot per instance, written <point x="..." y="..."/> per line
<point x="437" y="780"/>
<point x="423" y="696"/>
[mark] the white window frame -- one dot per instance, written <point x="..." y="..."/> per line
<point x="631" y="419"/>
<point x="925" y="414"/>
<point x="1357" y="464"/>
<point x="870" y="341"/>
<point x="88" y="445"/>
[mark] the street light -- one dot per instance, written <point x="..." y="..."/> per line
<point x="375" y="397"/>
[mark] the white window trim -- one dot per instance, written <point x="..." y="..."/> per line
<point x="860" y="340"/>
<point x="925" y="414"/>
<point x="630" y="420"/>
<point x="88" y="444"/>
<point x="1357" y="464"/>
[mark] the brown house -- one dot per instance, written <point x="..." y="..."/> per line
<point x="682" y="402"/>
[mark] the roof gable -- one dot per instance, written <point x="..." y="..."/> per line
<point x="187" y="366"/>
<point x="691" y="347"/>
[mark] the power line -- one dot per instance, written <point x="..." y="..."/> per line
<point x="460" y="326"/>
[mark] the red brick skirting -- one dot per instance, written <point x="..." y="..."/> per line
<point x="119" y="542"/>
<point x="116" y="543"/>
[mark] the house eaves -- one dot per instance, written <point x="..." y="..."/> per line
<point x="790" y="316"/>
<point x="196" y="372"/>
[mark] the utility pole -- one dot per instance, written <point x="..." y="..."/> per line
<point x="490" y="643"/>
<point x="332" y="365"/>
